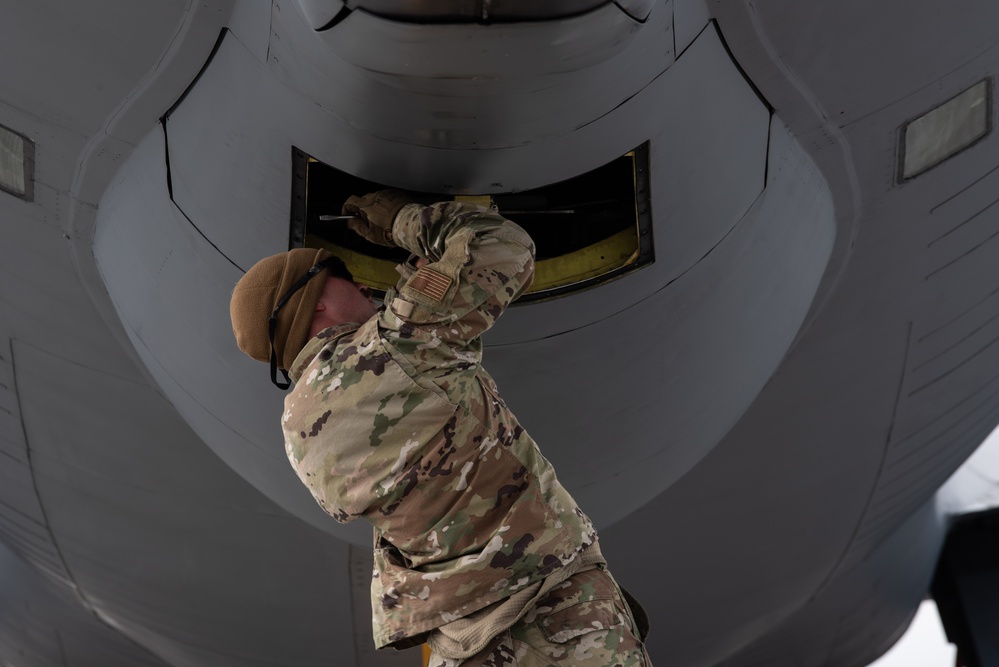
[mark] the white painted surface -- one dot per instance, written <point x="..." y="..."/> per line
<point x="924" y="644"/>
<point x="975" y="485"/>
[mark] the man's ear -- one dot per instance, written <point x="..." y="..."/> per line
<point x="320" y="306"/>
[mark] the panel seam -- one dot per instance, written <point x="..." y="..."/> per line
<point x="79" y="594"/>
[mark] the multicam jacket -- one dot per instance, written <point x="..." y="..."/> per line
<point x="395" y="420"/>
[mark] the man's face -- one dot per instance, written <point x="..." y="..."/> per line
<point x="341" y="301"/>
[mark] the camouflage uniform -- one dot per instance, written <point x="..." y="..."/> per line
<point x="394" y="420"/>
<point x="582" y="622"/>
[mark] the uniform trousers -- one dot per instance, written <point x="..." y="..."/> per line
<point x="583" y="622"/>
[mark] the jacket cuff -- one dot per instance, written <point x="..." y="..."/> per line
<point x="406" y="228"/>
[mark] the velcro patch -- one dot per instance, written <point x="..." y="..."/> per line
<point x="430" y="284"/>
<point x="402" y="307"/>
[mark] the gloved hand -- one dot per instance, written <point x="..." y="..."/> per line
<point x="376" y="212"/>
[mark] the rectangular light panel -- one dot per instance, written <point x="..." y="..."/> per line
<point x="16" y="163"/>
<point x="952" y="126"/>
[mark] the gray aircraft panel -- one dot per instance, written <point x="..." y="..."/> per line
<point x="44" y="292"/>
<point x="250" y="208"/>
<point x="186" y="341"/>
<point x="787" y="507"/>
<point x="318" y="13"/>
<point x="120" y="42"/>
<point x="17" y="492"/>
<point x="689" y="18"/>
<point x="40" y="627"/>
<point x="932" y="234"/>
<point x="844" y="623"/>
<point x="173" y="299"/>
<point x="177" y="544"/>
<point x="897" y="230"/>
<point x="238" y="97"/>
<point x="830" y="46"/>
<point x="41" y="288"/>
<point x="572" y="70"/>
<point x="661" y="426"/>
<point x="250" y="23"/>
<point x="245" y="183"/>
<point x="788" y="541"/>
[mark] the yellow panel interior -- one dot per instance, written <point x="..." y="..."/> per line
<point x="615" y="252"/>
<point x="572" y="253"/>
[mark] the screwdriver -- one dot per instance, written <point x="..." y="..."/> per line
<point x="336" y="218"/>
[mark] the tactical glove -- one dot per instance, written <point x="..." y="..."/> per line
<point x="375" y="213"/>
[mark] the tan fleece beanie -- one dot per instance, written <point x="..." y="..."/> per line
<point x="257" y="293"/>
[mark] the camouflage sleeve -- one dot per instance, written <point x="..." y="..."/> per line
<point x="479" y="263"/>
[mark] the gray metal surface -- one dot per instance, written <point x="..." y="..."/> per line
<point x="40" y="625"/>
<point x="690" y="17"/>
<point x="812" y="354"/>
<point x="844" y="623"/>
<point x="185" y="342"/>
<point x="735" y="312"/>
<point x="23" y="524"/>
<point x="175" y="300"/>
<point x="936" y="233"/>
<point x="163" y="541"/>
<point x="481" y="11"/>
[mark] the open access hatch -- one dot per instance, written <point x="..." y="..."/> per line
<point x="588" y="229"/>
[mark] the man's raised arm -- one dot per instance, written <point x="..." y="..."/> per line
<point x="477" y="264"/>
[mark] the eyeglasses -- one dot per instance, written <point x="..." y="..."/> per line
<point x="336" y="268"/>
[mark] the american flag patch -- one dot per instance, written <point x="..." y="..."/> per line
<point x="430" y="283"/>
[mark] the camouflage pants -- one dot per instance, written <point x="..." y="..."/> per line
<point x="582" y="622"/>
